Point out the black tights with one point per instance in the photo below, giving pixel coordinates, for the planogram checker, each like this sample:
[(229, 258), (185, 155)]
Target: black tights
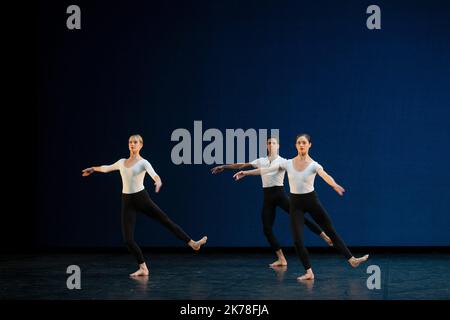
[(276, 197), (141, 202), (309, 202)]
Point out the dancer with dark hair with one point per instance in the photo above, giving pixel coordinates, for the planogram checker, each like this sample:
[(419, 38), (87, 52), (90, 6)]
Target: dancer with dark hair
[(301, 173), (274, 196), (136, 199)]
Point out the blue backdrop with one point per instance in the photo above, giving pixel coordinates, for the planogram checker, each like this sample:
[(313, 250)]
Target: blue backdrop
[(375, 101)]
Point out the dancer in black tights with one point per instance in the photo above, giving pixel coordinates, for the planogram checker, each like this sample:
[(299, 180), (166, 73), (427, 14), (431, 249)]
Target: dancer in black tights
[(301, 173), (136, 199), (274, 196)]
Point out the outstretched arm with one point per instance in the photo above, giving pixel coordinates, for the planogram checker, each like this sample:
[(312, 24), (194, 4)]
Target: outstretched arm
[(256, 172), (105, 169), (329, 179), (233, 166)]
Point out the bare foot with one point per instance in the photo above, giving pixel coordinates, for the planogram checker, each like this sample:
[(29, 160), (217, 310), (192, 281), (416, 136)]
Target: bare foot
[(354, 262), (309, 275), (140, 272), (327, 239), (279, 263), (196, 245)]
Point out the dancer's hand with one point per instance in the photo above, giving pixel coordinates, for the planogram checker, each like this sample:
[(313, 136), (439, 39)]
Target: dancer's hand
[(339, 189), (87, 171), (239, 175), (217, 169), (158, 185)]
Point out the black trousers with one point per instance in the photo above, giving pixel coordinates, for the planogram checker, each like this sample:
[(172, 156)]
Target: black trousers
[(141, 202), (309, 202), (276, 197)]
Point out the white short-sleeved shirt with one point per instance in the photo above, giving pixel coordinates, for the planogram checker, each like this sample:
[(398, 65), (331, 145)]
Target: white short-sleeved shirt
[(132, 177), (270, 179), (301, 181)]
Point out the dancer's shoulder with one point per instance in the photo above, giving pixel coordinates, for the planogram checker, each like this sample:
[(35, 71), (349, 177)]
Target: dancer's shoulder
[(146, 163), (284, 163), (317, 166)]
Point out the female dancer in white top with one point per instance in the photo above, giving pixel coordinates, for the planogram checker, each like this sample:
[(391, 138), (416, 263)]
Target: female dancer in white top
[(136, 199), (301, 173)]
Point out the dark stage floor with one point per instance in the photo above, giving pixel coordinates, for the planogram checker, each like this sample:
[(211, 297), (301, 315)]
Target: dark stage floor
[(225, 276)]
